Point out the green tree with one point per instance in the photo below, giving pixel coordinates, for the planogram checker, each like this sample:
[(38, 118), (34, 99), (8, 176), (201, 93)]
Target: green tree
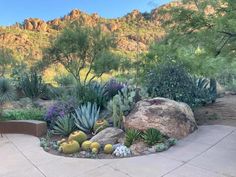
[(82, 49)]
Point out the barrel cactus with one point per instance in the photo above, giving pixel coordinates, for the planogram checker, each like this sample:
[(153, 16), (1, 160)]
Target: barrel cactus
[(100, 125), (78, 136), (86, 145), (108, 149), (69, 147)]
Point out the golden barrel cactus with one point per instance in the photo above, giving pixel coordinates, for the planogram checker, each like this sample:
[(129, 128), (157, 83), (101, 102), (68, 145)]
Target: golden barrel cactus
[(86, 145), (108, 149), (95, 145), (69, 147), (78, 136), (100, 125)]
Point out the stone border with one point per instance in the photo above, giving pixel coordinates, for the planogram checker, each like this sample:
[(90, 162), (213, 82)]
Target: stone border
[(30, 127)]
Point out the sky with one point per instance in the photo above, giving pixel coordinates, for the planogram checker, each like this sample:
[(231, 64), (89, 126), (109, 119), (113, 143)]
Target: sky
[(12, 11)]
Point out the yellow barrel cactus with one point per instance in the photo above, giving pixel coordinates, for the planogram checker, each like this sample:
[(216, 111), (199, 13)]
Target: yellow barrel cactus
[(69, 147), (100, 125), (108, 149), (86, 145), (95, 151), (95, 145), (78, 136)]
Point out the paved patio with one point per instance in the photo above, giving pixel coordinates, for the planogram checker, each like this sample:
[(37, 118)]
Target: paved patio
[(209, 152)]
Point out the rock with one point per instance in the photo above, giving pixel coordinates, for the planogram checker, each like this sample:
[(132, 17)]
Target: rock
[(35, 24), (174, 119), (109, 135), (138, 148)]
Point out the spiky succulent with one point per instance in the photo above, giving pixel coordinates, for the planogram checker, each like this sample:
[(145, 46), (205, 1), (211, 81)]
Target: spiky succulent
[(7, 92), (131, 135), (85, 116), (152, 136), (64, 126)]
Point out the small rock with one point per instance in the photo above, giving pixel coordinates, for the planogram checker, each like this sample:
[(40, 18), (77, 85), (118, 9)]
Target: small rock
[(110, 135), (138, 148)]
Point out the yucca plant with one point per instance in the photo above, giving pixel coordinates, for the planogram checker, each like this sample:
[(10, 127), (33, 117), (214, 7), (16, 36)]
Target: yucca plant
[(85, 116), (64, 126), (152, 136), (7, 92), (131, 135), (32, 85)]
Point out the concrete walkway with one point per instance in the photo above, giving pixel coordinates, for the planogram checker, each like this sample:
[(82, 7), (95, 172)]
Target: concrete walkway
[(209, 152)]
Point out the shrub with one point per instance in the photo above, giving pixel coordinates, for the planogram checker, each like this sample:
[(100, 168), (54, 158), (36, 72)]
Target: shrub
[(64, 125), (32, 85), (152, 136), (171, 80), (57, 110), (85, 116), (65, 80), (7, 91), (24, 114), (131, 135), (112, 88)]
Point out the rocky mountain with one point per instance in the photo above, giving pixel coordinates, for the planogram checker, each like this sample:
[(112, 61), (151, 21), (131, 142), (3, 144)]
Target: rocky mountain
[(134, 31)]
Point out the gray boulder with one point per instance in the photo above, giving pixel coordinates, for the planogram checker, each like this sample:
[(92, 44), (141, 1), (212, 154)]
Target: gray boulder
[(110, 135)]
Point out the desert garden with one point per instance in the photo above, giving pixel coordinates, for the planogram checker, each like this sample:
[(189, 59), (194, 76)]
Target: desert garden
[(104, 103)]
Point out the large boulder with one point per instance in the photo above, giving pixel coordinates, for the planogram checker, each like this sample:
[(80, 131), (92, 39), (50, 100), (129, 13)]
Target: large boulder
[(109, 135), (174, 119)]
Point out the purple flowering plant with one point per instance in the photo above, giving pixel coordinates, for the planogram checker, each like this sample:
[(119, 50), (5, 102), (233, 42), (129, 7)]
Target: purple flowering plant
[(59, 109)]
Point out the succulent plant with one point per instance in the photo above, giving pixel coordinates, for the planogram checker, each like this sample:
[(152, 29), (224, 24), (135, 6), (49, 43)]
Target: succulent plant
[(131, 135), (61, 141), (64, 126), (86, 145), (108, 149), (100, 125), (78, 136), (69, 147), (161, 147), (95, 151), (122, 151), (85, 116), (152, 136), (95, 145)]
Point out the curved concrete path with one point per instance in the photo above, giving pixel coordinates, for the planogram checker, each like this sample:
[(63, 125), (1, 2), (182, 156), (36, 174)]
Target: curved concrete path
[(209, 152)]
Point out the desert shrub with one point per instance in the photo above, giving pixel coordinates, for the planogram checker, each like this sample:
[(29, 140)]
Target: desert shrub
[(57, 110), (171, 80), (24, 114), (152, 136), (85, 116), (65, 80), (7, 91), (32, 85), (64, 126), (112, 88)]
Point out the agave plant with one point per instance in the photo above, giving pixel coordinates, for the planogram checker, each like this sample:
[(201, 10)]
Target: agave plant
[(7, 91), (64, 126), (152, 136), (85, 116)]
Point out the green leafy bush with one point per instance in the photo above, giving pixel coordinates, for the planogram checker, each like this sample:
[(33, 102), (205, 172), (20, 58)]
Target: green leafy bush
[(171, 80), (152, 136), (65, 80), (32, 85), (24, 114), (85, 116), (64, 126), (131, 135)]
